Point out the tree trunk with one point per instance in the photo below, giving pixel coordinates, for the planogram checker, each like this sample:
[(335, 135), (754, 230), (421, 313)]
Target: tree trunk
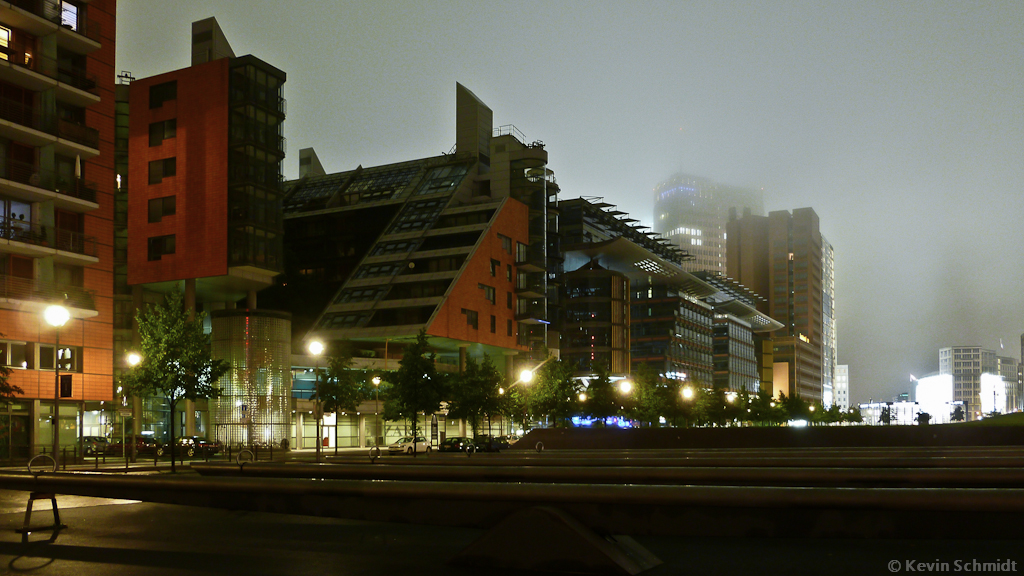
[(171, 432)]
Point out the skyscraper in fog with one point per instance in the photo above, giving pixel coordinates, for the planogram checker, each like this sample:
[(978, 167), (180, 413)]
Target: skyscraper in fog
[(693, 212), (782, 257)]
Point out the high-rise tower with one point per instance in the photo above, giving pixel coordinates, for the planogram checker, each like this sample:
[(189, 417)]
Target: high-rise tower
[(693, 213)]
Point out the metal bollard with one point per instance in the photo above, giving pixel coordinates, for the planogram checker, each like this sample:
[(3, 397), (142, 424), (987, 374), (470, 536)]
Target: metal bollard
[(64, 458)]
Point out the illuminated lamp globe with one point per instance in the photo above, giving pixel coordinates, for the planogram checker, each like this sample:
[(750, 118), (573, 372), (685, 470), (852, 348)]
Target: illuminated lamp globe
[(625, 386), (316, 347), (56, 316), (687, 393), (526, 375), (134, 359)]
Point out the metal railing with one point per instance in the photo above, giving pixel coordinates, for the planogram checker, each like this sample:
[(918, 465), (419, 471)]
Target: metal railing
[(34, 290), (26, 173), (19, 113), (51, 10), (40, 235), (78, 133)]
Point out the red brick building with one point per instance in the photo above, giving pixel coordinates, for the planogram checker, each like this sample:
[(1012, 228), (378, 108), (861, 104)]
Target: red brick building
[(56, 215)]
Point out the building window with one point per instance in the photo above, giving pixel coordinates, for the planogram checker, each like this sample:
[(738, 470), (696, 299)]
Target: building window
[(158, 169), (494, 325), (508, 272), (508, 300), (494, 267), (160, 93), (160, 131), (160, 245), (68, 356), (160, 207), (66, 275), (506, 243), (65, 386), (489, 292), (508, 326), (472, 318)]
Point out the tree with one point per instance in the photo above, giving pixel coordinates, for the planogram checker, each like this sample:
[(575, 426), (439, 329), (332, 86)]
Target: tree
[(650, 397), (601, 400), (958, 414), (886, 415), (340, 389), (474, 393), (557, 391), (8, 391), (418, 387), (176, 363), (923, 418)]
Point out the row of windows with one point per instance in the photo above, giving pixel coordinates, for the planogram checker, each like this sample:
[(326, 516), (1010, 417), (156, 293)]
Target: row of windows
[(473, 320), (30, 355)]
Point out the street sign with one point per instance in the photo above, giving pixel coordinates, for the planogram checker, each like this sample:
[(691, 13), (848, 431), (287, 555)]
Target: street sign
[(125, 412)]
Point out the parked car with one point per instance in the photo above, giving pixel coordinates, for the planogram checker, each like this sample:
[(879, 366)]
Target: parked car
[(488, 443), (455, 444), (192, 445), (94, 445), (406, 445), (143, 445)]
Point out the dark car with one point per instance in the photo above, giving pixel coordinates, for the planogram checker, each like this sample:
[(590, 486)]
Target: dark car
[(455, 444), (143, 445), (192, 445), (488, 443), (94, 445)]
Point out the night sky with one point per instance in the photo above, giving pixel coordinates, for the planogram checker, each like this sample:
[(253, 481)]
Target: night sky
[(900, 123)]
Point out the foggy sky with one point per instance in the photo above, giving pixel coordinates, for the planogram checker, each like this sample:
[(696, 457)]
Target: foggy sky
[(900, 123)]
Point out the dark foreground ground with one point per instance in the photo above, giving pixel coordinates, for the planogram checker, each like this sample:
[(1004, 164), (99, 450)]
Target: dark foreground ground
[(127, 539)]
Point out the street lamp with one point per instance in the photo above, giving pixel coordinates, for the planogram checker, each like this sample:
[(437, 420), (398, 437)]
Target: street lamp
[(625, 386), (376, 410), (133, 359), (56, 316), (687, 393), (526, 376), (316, 348)]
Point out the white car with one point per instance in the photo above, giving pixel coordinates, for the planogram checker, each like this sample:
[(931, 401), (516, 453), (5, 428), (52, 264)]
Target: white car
[(405, 446)]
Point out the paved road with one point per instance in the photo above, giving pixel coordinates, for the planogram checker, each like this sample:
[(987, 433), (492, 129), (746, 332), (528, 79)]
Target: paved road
[(118, 537)]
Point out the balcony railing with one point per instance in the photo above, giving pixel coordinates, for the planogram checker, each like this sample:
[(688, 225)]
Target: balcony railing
[(38, 291), (78, 133), (78, 78), (51, 10), (47, 236), (25, 173), (17, 112)]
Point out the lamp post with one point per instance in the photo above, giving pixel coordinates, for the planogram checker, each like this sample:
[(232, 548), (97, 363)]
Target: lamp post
[(316, 348), (133, 360), (56, 316), (376, 410)]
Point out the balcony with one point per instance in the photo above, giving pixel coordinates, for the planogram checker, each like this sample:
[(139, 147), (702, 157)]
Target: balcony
[(78, 133), (23, 123), (28, 182), (43, 293), (37, 240)]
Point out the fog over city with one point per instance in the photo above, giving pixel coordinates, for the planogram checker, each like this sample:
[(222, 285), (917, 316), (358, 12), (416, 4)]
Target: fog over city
[(900, 123)]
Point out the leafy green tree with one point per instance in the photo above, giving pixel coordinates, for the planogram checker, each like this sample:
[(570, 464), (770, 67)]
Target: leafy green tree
[(176, 362), (601, 400), (8, 391), (958, 414), (853, 416), (418, 387), (923, 419), (515, 405), (885, 417), (649, 398), (342, 389), (474, 393), (557, 392)]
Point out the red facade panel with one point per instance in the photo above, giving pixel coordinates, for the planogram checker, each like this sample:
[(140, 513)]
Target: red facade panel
[(199, 184)]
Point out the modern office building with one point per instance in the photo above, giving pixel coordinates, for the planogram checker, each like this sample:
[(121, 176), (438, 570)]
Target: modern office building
[(1009, 370), (200, 205), (828, 323), (841, 389), (967, 365), (457, 245), (688, 326), (56, 207), (693, 213), (781, 257)]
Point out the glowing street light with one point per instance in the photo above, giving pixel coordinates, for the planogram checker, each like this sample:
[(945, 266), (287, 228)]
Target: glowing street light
[(316, 348), (583, 396), (376, 409), (526, 376), (687, 393), (134, 358), (56, 316), (625, 386)]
